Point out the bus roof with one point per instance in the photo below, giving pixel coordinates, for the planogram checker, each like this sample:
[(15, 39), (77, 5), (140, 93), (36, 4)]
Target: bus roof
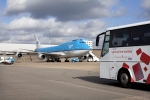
[(128, 25)]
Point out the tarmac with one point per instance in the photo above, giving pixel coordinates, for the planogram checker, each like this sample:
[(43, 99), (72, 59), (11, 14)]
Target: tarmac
[(40, 80)]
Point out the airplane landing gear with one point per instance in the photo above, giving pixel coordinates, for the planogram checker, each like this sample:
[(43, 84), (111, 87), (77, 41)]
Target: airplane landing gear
[(53, 60), (47, 60), (58, 60), (66, 60)]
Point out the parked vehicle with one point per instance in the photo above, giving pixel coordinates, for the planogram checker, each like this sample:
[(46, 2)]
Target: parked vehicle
[(75, 60), (91, 57), (6, 60), (125, 53)]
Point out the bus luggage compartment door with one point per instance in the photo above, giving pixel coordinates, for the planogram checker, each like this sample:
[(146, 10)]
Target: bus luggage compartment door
[(112, 70)]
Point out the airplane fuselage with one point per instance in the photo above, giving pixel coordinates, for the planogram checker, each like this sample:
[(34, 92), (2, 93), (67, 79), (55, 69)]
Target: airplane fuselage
[(76, 48)]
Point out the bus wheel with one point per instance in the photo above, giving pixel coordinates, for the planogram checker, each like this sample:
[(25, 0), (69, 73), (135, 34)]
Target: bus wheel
[(124, 79)]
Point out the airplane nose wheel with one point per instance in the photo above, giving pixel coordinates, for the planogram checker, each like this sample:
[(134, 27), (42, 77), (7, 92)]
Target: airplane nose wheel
[(58, 60)]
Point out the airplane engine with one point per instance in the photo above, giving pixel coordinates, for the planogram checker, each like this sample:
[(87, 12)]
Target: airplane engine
[(18, 55), (41, 56), (85, 57)]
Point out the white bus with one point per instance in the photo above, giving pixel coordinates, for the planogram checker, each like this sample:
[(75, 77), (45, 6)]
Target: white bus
[(125, 54)]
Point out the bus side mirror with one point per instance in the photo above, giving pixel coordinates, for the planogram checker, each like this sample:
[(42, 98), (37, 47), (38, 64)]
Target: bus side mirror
[(98, 37), (97, 40)]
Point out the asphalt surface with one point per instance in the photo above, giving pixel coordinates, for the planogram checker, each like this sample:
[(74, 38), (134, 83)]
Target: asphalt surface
[(63, 81)]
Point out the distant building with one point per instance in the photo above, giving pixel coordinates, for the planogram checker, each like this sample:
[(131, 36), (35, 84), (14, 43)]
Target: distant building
[(90, 43)]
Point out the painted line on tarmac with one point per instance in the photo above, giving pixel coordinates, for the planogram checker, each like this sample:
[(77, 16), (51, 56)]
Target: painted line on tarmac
[(71, 68), (100, 90)]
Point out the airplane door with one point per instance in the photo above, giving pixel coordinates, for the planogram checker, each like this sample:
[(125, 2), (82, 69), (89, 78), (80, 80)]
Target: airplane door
[(67, 49), (71, 49), (112, 70)]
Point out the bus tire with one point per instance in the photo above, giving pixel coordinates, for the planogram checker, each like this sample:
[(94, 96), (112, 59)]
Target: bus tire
[(124, 79)]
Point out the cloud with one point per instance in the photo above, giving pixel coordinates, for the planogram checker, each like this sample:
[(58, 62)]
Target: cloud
[(32, 24), (120, 12), (146, 6), (62, 10), (4, 34), (62, 20), (21, 30)]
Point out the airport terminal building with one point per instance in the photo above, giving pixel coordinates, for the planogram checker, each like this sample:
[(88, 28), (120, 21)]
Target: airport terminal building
[(16, 47), (90, 43)]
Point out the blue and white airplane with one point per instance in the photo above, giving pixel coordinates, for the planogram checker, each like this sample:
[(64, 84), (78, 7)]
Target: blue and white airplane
[(75, 48)]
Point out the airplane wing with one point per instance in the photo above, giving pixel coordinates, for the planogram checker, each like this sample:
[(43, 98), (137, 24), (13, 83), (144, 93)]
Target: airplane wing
[(19, 53), (13, 52), (52, 54)]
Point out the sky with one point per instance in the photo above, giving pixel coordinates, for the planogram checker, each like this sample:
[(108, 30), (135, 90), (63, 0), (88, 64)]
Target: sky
[(65, 20)]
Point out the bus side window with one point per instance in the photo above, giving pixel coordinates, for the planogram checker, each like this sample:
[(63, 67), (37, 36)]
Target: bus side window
[(136, 40), (120, 38), (140, 35), (105, 49), (147, 38)]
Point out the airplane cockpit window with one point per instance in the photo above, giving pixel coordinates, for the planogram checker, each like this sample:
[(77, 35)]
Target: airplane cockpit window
[(82, 42)]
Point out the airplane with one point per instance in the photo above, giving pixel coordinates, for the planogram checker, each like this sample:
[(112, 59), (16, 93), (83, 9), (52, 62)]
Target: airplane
[(75, 48)]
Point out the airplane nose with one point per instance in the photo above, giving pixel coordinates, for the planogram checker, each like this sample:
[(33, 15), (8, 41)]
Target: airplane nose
[(86, 52)]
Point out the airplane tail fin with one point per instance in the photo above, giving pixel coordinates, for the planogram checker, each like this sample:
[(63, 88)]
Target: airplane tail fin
[(38, 44)]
